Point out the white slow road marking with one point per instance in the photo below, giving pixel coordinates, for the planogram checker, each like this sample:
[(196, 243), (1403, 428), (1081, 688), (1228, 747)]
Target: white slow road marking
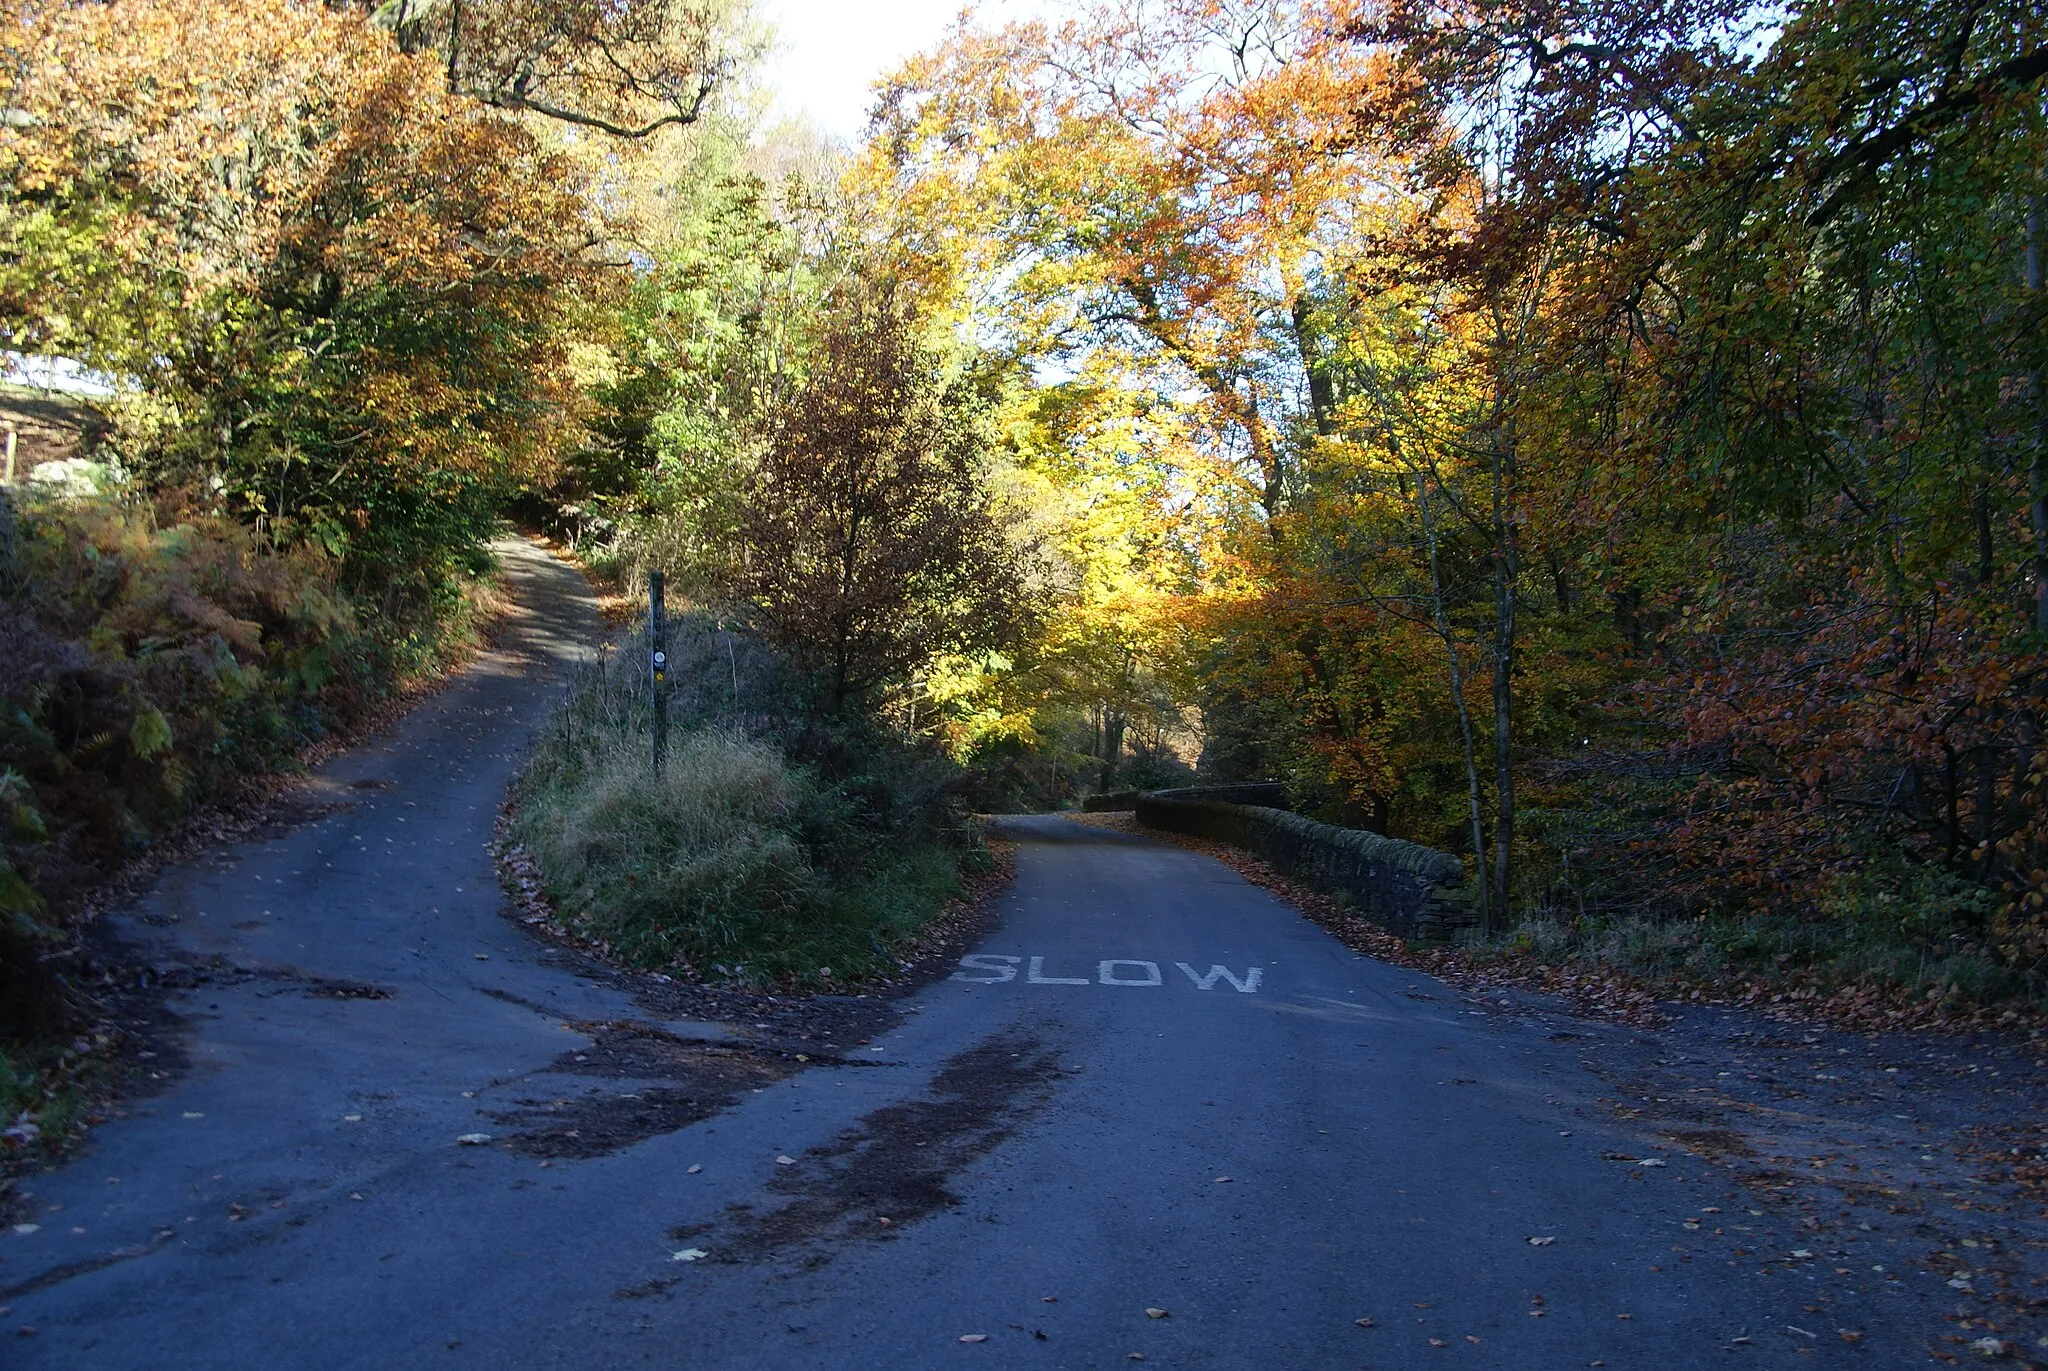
[(1037, 975), (988, 968)]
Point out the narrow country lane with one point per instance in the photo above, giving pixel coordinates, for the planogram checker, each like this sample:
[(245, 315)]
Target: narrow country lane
[(1152, 1088)]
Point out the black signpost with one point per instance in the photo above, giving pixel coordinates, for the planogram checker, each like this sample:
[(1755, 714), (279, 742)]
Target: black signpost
[(657, 664)]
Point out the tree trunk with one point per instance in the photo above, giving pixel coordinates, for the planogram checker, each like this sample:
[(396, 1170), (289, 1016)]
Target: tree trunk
[(1443, 630), (1112, 745), (1322, 395), (454, 44), (2037, 473), (1506, 577)]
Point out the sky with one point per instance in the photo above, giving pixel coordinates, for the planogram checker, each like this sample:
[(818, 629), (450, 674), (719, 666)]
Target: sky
[(830, 51)]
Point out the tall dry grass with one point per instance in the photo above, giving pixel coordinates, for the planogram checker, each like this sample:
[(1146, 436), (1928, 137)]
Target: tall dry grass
[(775, 846)]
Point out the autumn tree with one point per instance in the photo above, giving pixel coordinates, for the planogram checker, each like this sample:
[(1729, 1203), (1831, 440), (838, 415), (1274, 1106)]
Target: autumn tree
[(1095, 698), (341, 298), (868, 542)]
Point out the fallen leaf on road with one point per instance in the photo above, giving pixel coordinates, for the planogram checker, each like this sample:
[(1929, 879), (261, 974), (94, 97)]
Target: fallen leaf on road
[(1134, 1356), (1470, 1338), (785, 1161), (26, 1228), (1155, 1313), (1223, 1180), (1992, 1347), (882, 1219), (1365, 1323), (1541, 1242), (474, 1139), (689, 1254), (695, 1168), (1801, 1252), (351, 1118), (1850, 1334), (974, 1337), (1438, 1342), (194, 1114)]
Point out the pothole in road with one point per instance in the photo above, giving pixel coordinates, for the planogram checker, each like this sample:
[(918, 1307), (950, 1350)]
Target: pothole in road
[(596, 1124), (218, 972), (327, 988), (637, 1050), (896, 1165), (1714, 1144), (703, 1078)]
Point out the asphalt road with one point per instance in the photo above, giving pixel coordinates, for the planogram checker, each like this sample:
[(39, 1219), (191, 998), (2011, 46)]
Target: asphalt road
[(1153, 1087)]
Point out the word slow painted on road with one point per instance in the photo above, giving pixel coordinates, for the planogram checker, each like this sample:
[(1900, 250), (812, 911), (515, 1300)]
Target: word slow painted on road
[(994, 969)]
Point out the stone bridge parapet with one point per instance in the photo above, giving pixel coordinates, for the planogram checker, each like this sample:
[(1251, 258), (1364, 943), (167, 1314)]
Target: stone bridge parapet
[(1406, 888)]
